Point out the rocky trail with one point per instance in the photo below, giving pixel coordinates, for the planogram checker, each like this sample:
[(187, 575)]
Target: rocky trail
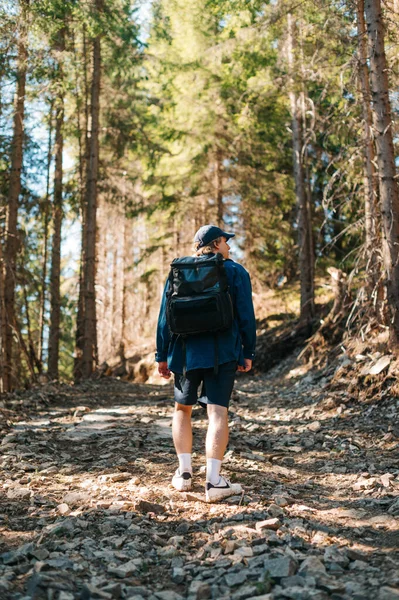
[(87, 510)]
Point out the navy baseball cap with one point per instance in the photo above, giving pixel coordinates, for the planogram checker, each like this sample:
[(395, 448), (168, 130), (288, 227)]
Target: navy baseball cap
[(208, 233)]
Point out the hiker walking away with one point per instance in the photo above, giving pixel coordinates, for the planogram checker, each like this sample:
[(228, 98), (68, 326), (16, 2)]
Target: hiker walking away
[(206, 332)]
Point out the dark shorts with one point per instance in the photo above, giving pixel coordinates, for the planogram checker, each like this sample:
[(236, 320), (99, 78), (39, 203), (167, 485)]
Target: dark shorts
[(216, 388)]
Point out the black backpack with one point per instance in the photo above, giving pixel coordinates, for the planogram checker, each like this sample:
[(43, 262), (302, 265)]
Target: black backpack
[(198, 299)]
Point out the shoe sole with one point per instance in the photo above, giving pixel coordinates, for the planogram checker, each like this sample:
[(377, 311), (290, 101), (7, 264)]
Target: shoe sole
[(183, 488), (212, 499)]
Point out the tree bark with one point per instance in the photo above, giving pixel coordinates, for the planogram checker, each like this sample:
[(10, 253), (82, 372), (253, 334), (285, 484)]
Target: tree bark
[(370, 174), (83, 166), (3, 322), (55, 278), (388, 187), (12, 241), (304, 224), (33, 358), (218, 183), (90, 344), (42, 298)]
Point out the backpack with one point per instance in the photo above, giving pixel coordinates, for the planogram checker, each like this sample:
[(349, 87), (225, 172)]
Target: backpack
[(198, 299)]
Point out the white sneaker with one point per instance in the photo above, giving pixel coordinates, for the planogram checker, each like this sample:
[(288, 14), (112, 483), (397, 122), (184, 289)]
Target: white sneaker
[(223, 489), (182, 481)]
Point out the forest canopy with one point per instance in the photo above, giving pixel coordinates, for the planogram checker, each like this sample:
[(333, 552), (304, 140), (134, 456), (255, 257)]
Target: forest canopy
[(125, 126)]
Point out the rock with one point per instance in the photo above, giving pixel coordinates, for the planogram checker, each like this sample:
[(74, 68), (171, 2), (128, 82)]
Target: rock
[(115, 477), (63, 509), (386, 479), (388, 593), (394, 508), (137, 590), (168, 595), (245, 592), (59, 563), (315, 426), (272, 524), (40, 553), (65, 596), (333, 554), (281, 501), (115, 589), (182, 529), (90, 592), (18, 493), (178, 575), (312, 566), (353, 554), (275, 511), (60, 527), (280, 567), (199, 590), (360, 565), (146, 507), (124, 570), (76, 498), (330, 585), (244, 551), (230, 547), (264, 597), (233, 579)]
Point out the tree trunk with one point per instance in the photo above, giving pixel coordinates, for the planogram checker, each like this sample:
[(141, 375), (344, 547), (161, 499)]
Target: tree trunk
[(370, 174), (218, 182), (42, 298), (304, 224), (3, 321), (89, 344), (83, 166), (125, 274), (33, 358), (55, 278), (388, 187), (12, 241)]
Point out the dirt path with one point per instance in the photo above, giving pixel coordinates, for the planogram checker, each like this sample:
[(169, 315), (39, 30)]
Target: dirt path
[(87, 510)]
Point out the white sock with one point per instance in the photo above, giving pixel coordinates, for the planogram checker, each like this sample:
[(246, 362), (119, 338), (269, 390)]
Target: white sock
[(213, 466), (185, 462)]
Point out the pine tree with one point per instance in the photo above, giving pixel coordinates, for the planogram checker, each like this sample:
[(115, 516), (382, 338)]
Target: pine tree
[(55, 277), (388, 186), (10, 377)]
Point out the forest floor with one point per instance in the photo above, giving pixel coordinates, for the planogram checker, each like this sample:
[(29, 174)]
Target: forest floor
[(87, 510)]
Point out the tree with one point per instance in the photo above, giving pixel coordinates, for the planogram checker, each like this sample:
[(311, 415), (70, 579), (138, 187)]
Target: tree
[(305, 241), (55, 277), (89, 270), (370, 173), (388, 186), (10, 378)]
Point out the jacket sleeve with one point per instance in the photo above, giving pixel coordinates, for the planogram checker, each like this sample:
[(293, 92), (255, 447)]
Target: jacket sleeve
[(163, 333), (245, 313)]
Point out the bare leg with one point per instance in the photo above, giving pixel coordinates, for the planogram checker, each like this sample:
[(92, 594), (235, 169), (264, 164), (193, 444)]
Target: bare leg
[(217, 435), (181, 429)]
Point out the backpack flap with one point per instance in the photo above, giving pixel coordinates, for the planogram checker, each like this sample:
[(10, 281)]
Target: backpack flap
[(199, 300)]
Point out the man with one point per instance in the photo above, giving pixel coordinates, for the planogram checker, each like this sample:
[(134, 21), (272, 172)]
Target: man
[(234, 349)]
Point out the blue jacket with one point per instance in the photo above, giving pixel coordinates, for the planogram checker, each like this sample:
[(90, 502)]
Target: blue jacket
[(236, 343)]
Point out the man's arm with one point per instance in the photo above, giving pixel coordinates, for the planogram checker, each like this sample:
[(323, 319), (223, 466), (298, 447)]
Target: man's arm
[(163, 337), (245, 316)]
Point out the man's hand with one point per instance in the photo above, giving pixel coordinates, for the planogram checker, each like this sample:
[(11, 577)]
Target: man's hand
[(247, 367), (163, 370)]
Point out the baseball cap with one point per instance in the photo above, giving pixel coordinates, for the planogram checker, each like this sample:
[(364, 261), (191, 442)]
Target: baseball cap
[(206, 234)]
